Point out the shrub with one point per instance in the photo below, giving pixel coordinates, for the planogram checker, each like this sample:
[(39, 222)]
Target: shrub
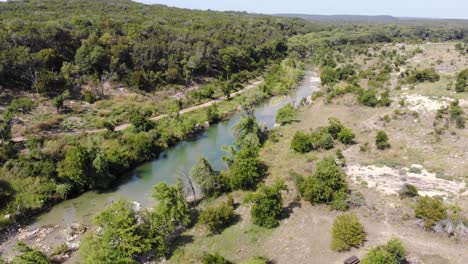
[(334, 127), (301, 142), (214, 259), (212, 113), (408, 190), (285, 115), (431, 210), (381, 140), (267, 207), (210, 181), (424, 75), (347, 232), (321, 187), (217, 218), (346, 136), (29, 255), (368, 98), (326, 141), (462, 81), (391, 253), (328, 76)]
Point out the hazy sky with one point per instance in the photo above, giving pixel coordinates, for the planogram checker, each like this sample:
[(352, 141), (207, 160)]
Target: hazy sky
[(413, 8)]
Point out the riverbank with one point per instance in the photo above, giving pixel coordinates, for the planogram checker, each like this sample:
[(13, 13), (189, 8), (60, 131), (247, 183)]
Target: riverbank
[(80, 209)]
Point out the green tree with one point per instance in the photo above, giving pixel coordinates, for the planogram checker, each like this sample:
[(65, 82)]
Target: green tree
[(247, 131), (267, 204), (285, 115), (381, 140), (211, 182), (120, 239), (347, 232), (75, 167), (172, 204), (326, 181), (246, 169), (301, 142)]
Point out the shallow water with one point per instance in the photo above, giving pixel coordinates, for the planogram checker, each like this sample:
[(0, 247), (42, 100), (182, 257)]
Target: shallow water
[(167, 168)]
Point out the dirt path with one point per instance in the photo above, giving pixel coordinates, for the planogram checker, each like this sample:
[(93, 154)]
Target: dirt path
[(127, 125)]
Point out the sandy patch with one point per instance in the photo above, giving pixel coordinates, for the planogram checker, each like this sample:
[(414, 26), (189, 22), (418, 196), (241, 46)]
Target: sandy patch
[(389, 180), (420, 103)]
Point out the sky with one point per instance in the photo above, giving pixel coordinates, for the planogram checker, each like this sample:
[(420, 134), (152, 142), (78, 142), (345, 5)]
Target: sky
[(400, 8)]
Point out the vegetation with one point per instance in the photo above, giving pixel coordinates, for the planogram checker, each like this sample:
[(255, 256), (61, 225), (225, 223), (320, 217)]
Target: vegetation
[(391, 253), (381, 140), (217, 218), (326, 185), (29, 255), (408, 190), (285, 115), (462, 81), (267, 205), (323, 137), (301, 142), (214, 259), (211, 182), (347, 232), (136, 231), (431, 210)]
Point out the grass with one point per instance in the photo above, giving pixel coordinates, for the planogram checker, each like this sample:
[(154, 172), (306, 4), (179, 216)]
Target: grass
[(239, 242), (277, 100)]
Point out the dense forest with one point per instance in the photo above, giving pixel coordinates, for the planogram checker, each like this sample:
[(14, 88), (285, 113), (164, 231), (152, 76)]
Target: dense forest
[(51, 47)]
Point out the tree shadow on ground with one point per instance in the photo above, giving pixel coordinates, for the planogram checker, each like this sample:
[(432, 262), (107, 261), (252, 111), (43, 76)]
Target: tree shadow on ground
[(288, 210)]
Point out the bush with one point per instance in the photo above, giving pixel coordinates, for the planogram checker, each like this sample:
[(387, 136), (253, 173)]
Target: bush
[(301, 142), (326, 141), (346, 136), (285, 115), (334, 127), (214, 259), (212, 113), (408, 190), (347, 232), (424, 75), (217, 218), (381, 140), (328, 76), (431, 210), (368, 98), (322, 186), (391, 253), (267, 207), (462, 81), (29, 255)]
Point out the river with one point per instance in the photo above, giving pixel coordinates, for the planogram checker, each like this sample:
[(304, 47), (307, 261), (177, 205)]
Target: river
[(174, 160)]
